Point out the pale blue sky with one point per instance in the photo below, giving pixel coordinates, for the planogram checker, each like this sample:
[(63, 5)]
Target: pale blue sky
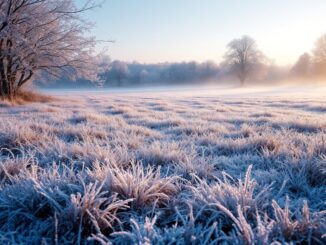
[(183, 30)]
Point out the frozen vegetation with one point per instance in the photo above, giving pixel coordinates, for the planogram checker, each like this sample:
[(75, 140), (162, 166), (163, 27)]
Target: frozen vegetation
[(164, 168)]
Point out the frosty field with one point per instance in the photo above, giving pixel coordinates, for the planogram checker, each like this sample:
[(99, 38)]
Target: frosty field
[(196, 167)]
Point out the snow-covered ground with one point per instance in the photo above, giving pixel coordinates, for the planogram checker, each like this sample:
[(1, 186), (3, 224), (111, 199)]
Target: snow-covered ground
[(188, 165)]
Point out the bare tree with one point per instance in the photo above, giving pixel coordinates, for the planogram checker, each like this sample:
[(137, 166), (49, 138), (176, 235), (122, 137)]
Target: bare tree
[(118, 72), (302, 68), (242, 57), (43, 37)]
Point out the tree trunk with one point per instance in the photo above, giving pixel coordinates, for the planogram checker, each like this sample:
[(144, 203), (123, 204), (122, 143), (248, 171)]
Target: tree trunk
[(4, 86), (5, 89)]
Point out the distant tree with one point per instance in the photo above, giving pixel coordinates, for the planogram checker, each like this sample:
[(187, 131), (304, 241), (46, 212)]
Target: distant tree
[(43, 37), (302, 67), (319, 56), (242, 57), (118, 72)]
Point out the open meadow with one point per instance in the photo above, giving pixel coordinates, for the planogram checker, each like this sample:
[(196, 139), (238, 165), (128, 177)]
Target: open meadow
[(193, 167)]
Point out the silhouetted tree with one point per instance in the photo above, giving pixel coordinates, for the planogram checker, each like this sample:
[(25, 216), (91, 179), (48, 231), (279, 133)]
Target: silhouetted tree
[(242, 57), (43, 37)]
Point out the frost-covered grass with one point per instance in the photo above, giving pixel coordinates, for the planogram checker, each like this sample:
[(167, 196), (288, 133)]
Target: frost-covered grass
[(164, 169)]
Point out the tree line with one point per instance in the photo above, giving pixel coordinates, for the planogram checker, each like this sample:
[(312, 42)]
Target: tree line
[(243, 60)]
